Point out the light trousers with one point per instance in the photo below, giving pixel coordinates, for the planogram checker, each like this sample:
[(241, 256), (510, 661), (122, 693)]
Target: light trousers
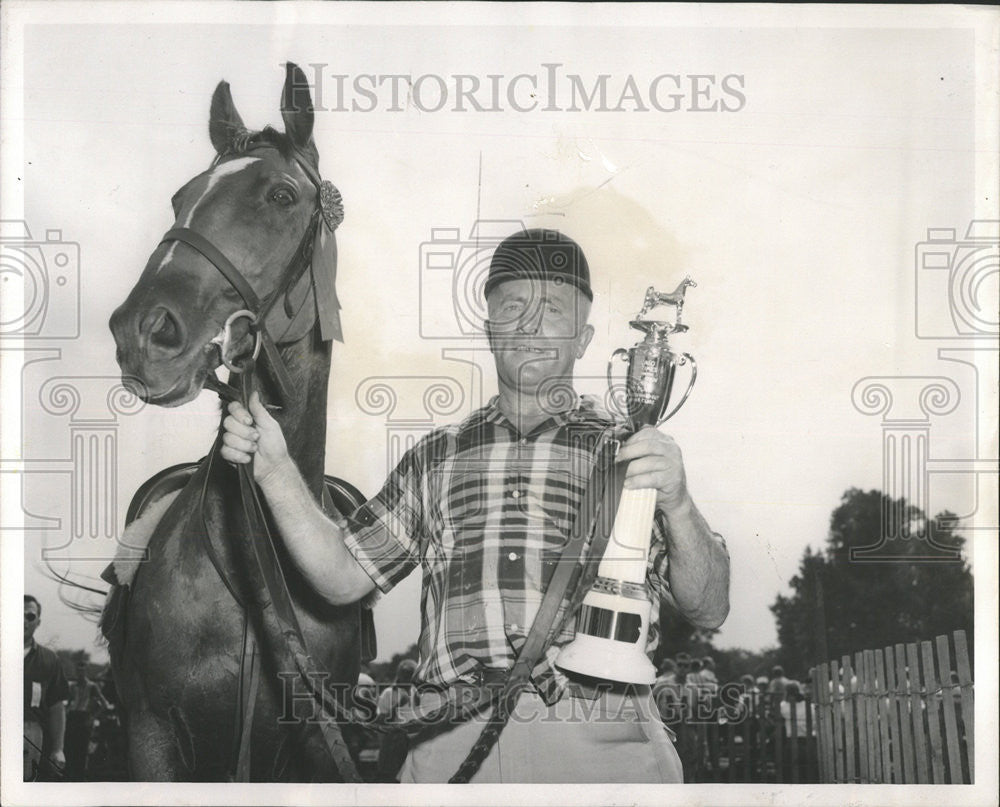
[(613, 738)]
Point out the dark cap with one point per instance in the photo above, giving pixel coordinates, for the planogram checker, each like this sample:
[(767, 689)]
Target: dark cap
[(540, 254)]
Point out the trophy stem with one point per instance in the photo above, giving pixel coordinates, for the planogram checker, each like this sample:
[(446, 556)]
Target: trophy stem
[(628, 548), (613, 625)]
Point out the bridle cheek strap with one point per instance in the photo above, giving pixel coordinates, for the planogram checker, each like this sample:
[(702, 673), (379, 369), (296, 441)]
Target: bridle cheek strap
[(214, 255)]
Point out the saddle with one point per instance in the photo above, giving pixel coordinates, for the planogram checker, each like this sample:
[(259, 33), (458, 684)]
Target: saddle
[(337, 493)]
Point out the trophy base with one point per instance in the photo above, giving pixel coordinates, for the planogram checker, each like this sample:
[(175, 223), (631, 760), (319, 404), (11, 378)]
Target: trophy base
[(608, 659)]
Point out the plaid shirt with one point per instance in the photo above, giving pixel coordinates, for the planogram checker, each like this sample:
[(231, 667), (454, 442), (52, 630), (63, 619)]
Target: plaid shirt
[(486, 512)]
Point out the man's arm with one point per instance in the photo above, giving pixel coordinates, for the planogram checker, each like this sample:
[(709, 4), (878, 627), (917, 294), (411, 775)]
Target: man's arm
[(57, 732), (315, 543), (698, 561), (100, 695)]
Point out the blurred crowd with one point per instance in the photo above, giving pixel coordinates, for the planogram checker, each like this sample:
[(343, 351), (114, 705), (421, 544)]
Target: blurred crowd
[(71, 728), (690, 697)]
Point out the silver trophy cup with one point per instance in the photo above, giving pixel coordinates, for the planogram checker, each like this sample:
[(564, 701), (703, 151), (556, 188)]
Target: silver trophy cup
[(613, 623)]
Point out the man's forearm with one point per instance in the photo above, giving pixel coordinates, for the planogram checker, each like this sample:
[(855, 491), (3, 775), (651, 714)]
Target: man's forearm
[(699, 567), (315, 543), (57, 727)]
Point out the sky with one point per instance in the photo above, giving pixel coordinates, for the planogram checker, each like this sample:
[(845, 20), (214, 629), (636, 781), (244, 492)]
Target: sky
[(791, 167)]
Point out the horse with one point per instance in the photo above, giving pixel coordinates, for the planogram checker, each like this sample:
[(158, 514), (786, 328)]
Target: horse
[(674, 298), (200, 661)]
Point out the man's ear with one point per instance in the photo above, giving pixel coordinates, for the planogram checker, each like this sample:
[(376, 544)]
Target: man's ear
[(583, 341)]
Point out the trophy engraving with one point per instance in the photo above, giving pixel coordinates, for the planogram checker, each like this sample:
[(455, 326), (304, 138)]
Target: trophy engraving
[(613, 621)]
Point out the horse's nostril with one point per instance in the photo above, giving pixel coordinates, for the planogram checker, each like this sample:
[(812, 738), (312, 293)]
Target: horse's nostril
[(166, 332), (163, 330)]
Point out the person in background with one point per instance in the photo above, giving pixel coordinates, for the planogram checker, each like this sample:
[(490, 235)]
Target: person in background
[(85, 701), (749, 696), (683, 667), (776, 692), (364, 690), (667, 692), (45, 695), (710, 684), (794, 702), (778, 682)]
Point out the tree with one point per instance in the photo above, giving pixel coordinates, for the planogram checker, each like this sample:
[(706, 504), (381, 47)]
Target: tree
[(868, 604), (678, 635)]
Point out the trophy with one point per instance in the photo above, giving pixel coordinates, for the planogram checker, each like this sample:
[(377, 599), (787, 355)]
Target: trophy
[(613, 622)]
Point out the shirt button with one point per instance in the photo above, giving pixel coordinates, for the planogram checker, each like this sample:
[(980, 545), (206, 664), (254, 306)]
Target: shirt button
[(513, 626), (512, 556), (515, 494), (523, 441)]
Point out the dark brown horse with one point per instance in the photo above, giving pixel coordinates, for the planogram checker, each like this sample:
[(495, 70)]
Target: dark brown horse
[(183, 632)]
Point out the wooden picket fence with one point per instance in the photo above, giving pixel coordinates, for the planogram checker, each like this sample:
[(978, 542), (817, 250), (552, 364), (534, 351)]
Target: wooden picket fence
[(754, 743), (897, 715)]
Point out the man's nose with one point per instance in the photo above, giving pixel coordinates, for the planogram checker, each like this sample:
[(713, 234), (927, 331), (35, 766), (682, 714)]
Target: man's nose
[(530, 320)]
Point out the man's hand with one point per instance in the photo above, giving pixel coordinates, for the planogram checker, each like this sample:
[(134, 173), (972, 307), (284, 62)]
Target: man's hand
[(699, 562), (254, 434), (655, 462), (57, 760)]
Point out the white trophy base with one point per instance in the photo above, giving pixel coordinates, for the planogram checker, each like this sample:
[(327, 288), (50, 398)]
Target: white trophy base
[(608, 659)]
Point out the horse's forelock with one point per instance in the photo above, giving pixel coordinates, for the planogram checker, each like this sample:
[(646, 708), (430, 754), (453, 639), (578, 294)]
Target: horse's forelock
[(245, 140)]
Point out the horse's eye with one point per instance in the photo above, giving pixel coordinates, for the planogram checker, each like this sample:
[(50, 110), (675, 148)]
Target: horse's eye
[(283, 197)]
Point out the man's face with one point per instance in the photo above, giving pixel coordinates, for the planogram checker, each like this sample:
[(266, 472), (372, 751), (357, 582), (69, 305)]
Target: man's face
[(537, 330), (81, 670), (31, 619)]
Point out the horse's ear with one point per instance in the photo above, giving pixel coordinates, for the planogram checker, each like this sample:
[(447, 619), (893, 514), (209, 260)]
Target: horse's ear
[(297, 106), (223, 119)]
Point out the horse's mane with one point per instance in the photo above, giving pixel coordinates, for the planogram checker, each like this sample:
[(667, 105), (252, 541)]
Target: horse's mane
[(242, 141)]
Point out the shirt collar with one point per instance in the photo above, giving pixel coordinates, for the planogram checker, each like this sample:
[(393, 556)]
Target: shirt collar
[(586, 408)]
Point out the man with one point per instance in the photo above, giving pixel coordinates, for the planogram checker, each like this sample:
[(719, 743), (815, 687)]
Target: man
[(45, 694), (85, 701), (667, 692), (484, 507), (778, 683)]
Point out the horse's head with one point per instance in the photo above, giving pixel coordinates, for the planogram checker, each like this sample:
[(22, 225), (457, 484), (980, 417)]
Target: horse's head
[(257, 205)]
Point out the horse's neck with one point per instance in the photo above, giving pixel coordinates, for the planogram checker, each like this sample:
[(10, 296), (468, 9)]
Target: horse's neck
[(303, 419)]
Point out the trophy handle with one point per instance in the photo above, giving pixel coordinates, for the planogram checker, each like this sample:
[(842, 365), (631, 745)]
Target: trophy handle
[(623, 353), (680, 403)]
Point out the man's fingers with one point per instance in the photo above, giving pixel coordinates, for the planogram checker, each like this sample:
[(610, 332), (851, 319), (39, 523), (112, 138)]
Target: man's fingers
[(649, 472), (239, 411), (237, 443), (258, 410), (232, 455), (234, 425), (654, 480), (651, 463), (644, 442)]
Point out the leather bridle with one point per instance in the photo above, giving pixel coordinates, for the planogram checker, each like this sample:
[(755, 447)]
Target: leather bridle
[(257, 310)]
